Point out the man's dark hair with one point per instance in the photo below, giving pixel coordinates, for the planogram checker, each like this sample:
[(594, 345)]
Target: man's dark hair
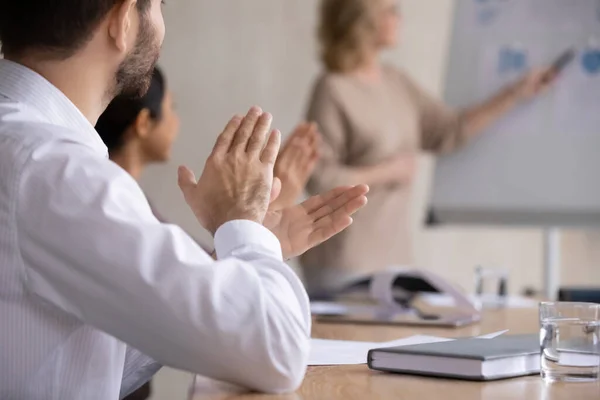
[(56, 27), (124, 110)]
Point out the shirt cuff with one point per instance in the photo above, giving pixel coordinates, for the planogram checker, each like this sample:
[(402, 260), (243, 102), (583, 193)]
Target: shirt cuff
[(240, 236)]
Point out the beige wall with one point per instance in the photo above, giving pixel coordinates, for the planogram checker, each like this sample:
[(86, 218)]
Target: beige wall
[(221, 57)]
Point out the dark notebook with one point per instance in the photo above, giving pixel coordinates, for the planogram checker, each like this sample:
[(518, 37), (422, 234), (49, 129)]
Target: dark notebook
[(471, 359)]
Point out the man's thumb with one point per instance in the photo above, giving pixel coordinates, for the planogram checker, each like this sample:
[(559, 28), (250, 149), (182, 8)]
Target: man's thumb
[(186, 179), (275, 190)]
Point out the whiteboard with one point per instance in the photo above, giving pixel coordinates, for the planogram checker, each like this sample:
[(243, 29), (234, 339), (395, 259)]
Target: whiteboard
[(539, 166)]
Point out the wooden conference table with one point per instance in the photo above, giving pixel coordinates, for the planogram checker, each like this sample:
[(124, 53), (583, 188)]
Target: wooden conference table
[(358, 382)]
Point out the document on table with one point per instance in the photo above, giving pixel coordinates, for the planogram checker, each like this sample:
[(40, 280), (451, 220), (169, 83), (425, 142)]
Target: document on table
[(340, 352)]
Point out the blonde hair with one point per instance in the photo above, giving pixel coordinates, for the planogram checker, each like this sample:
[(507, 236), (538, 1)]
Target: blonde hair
[(346, 31)]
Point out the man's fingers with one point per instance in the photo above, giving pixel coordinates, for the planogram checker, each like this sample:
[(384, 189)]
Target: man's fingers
[(326, 232), (226, 137), (245, 130), (186, 179), (316, 202), (259, 136), (271, 150), (334, 223), (341, 202)]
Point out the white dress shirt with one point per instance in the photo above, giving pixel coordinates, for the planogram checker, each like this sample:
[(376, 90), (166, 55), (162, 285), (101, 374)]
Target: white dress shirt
[(86, 270)]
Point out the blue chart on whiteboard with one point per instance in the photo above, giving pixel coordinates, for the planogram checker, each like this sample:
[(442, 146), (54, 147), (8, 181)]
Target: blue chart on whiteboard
[(514, 36)]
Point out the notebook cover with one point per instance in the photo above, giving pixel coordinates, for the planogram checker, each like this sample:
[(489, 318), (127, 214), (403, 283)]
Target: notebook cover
[(471, 348), (475, 349)]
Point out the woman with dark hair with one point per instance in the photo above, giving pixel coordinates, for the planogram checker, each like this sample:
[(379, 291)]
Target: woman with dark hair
[(139, 132)]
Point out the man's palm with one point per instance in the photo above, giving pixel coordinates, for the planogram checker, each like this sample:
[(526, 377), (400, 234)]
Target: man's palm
[(302, 227)]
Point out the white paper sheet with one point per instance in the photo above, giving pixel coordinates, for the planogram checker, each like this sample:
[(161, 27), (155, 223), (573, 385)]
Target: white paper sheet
[(493, 335), (340, 352)]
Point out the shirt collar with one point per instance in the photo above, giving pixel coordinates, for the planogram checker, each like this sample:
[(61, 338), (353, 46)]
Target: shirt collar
[(26, 86)]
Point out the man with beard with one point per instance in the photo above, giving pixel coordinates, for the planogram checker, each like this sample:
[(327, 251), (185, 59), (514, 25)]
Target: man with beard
[(92, 287)]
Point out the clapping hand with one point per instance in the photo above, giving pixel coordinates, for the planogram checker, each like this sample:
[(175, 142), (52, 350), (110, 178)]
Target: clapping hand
[(238, 183), (302, 227), (295, 164), (238, 176)]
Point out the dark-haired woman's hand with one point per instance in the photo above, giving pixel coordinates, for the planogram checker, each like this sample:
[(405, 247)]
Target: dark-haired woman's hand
[(296, 163)]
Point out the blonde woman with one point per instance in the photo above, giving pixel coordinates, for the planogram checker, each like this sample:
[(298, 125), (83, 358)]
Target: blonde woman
[(374, 120)]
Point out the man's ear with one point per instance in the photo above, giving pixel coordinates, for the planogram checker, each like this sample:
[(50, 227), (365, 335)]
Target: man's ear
[(143, 124), (123, 24)]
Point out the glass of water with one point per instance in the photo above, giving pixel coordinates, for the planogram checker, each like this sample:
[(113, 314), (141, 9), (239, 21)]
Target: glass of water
[(570, 341)]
